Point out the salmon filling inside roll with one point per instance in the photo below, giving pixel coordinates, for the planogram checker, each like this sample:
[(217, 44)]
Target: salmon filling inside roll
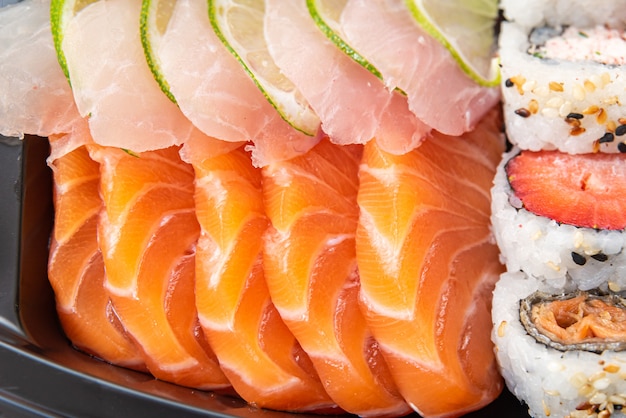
[(581, 321)]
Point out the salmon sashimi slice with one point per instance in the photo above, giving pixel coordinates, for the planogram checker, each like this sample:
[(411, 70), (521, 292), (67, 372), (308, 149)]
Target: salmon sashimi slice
[(428, 266), (148, 231), (36, 98), (256, 350), (582, 190), (76, 268), (350, 101), (112, 83), (385, 34), (205, 75), (311, 271)]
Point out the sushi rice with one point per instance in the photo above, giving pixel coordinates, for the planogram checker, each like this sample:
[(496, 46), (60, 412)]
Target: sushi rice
[(535, 13), (572, 105), (553, 383), (563, 257)]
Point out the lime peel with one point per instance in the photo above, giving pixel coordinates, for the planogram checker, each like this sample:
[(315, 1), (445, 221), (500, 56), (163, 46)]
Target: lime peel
[(303, 120), (148, 29), (60, 10), (485, 11), (332, 35)]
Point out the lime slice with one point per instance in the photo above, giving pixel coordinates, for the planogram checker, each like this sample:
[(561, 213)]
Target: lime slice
[(326, 14), (466, 29), (61, 11), (155, 15), (239, 25)]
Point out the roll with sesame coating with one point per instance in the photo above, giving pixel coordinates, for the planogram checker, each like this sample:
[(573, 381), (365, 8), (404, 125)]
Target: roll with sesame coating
[(536, 13), (561, 218), (553, 350), (564, 87)]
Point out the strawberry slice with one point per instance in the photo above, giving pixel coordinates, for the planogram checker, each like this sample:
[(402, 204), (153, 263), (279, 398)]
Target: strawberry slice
[(584, 190)]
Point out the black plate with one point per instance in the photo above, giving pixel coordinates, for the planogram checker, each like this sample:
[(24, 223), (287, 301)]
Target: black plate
[(40, 373)]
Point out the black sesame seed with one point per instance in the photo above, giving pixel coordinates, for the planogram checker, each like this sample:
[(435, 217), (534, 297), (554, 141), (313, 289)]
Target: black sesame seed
[(620, 130), (607, 137), (522, 112), (600, 257), (617, 407), (578, 259), (574, 116), (621, 147), (508, 82)]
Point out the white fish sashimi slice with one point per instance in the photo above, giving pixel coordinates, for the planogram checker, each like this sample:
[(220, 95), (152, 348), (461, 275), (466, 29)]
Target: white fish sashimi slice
[(350, 101), (112, 83), (331, 82), (438, 91), (78, 135), (35, 96), (400, 131), (214, 92)]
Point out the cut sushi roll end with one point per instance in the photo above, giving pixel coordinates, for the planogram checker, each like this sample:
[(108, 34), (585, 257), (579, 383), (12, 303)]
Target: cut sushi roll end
[(563, 90), (554, 382)]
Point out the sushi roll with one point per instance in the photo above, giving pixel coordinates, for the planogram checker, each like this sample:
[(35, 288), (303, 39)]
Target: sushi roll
[(563, 85), (562, 355), (581, 13), (558, 217)]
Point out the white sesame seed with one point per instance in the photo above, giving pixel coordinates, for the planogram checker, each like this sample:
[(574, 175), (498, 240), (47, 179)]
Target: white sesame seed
[(578, 92), (555, 102), (598, 398), (553, 266), (565, 109), (578, 380), (542, 91), (596, 376), (615, 287), (596, 80), (586, 390), (617, 400), (611, 100), (529, 85), (602, 384), (579, 239), (502, 329), (606, 78), (550, 112)]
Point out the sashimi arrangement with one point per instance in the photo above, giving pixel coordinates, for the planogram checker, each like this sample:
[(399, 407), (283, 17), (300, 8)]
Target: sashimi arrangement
[(557, 210), (308, 204)]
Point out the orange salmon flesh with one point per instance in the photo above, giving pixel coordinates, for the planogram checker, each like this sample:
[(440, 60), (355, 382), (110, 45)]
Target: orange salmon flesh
[(343, 280)]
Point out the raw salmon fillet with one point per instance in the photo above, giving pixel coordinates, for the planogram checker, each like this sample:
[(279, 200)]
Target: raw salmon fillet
[(76, 268), (428, 265), (311, 271), (259, 355), (147, 234)]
